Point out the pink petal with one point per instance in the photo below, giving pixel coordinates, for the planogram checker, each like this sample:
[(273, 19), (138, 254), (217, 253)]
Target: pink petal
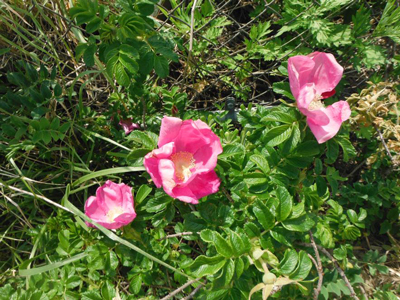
[(190, 137), (151, 161), (202, 185), (93, 210), (125, 218), (206, 157), (166, 168), (327, 72), (299, 70), (169, 130), (306, 96), (337, 113)]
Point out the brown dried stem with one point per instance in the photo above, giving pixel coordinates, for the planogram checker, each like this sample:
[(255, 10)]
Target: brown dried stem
[(180, 289), (318, 266), (337, 266)]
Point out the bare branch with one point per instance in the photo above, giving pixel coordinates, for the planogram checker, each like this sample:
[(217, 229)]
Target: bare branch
[(191, 295), (177, 235), (178, 290), (338, 268), (318, 265)]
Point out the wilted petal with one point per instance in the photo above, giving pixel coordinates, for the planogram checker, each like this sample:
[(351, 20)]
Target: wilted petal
[(128, 125), (267, 291), (256, 289)]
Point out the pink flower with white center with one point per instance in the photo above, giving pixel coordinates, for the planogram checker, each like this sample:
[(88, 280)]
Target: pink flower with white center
[(128, 126), (185, 159), (313, 78), (112, 207)]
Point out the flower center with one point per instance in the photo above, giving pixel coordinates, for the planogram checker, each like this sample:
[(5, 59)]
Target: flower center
[(183, 162), (316, 104), (114, 213)]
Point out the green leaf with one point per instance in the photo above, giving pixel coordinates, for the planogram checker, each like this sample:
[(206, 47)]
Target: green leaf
[(351, 232), (255, 178), (280, 116), (130, 64), (204, 265), (264, 216), (120, 75), (348, 148), (283, 88), (251, 230), (231, 150), (142, 193), (280, 236), (136, 284), (289, 261), (91, 295), (108, 291), (239, 267), (324, 234), (88, 55), (206, 8), (303, 268), (146, 62), (226, 275), (301, 224), (307, 149), (277, 135), (321, 186), (285, 203), (145, 8), (158, 204), (261, 162), (352, 216), (332, 151), (161, 66), (318, 166), (93, 25), (222, 246), (239, 245)]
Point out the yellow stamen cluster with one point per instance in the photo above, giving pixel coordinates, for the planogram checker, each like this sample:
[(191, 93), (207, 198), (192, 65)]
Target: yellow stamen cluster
[(114, 213), (183, 162), (315, 104)]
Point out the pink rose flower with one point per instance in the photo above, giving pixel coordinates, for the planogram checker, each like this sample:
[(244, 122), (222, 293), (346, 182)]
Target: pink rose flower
[(112, 207), (313, 78), (185, 159), (128, 126)]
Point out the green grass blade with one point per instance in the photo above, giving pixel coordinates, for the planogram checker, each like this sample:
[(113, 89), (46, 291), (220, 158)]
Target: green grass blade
[(107, 172), (49, 267)]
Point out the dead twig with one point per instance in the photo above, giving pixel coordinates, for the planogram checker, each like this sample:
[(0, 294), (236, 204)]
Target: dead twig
[(318, 265), (178, 290), (191, 295), (384, 143), (338, 268), (177, 235)]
